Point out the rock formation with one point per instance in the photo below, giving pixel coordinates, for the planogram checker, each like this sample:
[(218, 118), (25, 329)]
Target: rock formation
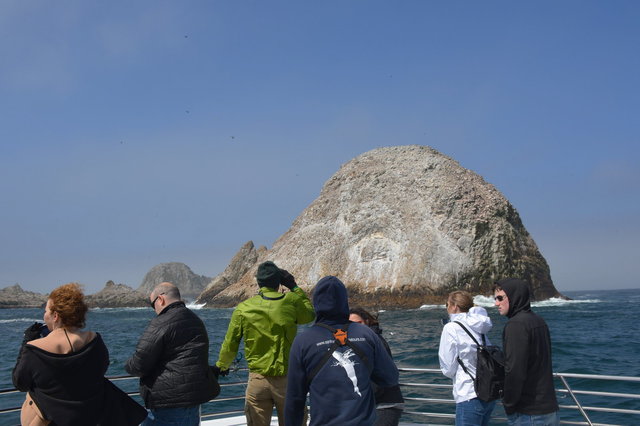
[(246, 257), (179, 274), (401, 226), (16, 297), (117, 296)]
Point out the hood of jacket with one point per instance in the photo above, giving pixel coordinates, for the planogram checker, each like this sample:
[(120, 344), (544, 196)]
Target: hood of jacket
[(476, 319), (75, 361), (518, 293), (330, 301)]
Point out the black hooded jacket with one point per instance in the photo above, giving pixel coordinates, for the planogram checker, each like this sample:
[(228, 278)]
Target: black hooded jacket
[(171, 360), (70, 389), (392, 395), (528, 386)]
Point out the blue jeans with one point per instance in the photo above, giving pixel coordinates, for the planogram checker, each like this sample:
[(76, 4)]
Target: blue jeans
[(519, 419), (179, 416), (474, 412)]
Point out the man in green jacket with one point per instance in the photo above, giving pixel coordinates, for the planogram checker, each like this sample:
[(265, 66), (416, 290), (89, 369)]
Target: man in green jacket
[(268, 322)]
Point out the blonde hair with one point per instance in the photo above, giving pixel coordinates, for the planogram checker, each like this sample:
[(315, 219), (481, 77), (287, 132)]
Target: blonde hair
[(461, 299)]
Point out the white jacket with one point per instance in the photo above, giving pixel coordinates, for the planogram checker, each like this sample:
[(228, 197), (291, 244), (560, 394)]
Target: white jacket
[(455, 342)]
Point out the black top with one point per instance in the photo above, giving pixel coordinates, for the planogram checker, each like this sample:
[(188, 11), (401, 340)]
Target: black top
[(172, 360), (528, 385), (69, 389), (390, 395)]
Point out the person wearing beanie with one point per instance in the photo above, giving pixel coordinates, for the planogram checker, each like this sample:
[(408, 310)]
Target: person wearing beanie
[(529, 395), (268, 323)]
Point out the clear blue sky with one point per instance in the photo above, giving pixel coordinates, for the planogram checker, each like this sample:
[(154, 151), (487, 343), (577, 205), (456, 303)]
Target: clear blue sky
[(135, 133)]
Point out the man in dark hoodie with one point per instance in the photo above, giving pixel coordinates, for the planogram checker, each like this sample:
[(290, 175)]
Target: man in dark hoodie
[(529, 395), (340, 388)]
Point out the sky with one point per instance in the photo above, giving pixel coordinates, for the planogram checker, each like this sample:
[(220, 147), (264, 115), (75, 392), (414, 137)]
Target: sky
[(136, 133)]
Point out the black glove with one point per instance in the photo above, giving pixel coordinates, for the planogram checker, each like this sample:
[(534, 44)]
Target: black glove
[(287, 280), (35, 331), (217, 372)]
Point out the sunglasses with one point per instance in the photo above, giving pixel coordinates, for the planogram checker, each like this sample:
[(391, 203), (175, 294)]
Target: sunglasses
[(499, 298), (153, 303)]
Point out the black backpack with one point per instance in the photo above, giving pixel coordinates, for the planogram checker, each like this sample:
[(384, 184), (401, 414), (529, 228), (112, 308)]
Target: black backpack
[(489, 380)]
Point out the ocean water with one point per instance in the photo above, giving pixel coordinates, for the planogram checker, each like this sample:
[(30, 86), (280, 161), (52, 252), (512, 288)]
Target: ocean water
[(595, 333)]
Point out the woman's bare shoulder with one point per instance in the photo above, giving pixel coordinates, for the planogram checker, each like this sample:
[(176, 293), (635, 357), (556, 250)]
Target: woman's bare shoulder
[(57, 343)]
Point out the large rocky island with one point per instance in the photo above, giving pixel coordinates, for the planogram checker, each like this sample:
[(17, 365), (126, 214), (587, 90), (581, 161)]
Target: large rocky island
[(401, 226)]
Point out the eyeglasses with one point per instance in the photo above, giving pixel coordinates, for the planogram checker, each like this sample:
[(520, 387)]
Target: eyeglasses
[(153, 303), (499, 298)]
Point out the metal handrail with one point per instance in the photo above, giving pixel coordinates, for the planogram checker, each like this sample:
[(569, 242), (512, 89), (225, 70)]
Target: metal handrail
[(566, 389), (573, 393), (573, 396), (598, 377)]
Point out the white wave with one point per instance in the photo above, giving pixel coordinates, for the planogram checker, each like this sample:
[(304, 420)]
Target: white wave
[(488, 302), (440, 306), (8, 321), (556, 301), (484, 301), (194, 305), (130, 308)]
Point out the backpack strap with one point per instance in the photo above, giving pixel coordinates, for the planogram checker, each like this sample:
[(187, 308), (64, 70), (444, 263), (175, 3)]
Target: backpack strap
[(471, 335), (465, 368), (323, 361), (341, 339), (474, 341)]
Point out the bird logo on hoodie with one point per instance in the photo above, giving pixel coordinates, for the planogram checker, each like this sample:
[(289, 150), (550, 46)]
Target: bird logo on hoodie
[(345, 361)]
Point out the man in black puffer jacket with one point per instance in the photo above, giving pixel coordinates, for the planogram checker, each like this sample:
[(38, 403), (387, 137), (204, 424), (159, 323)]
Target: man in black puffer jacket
[(172, 361)]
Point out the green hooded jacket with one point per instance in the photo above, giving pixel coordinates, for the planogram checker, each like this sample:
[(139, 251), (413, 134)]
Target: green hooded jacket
[(268, 322)]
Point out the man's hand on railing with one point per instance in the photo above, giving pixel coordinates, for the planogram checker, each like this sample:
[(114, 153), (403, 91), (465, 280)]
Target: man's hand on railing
[(217, 372)]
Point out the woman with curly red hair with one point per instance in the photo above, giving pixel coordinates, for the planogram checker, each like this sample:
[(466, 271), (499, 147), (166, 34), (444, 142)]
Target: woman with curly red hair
[(63, 372)]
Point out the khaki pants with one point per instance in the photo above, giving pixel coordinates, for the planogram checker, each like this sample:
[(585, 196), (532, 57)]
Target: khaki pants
[(263, 392)]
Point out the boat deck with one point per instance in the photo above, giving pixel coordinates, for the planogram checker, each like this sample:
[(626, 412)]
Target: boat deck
[(233, 421), (242, 421)]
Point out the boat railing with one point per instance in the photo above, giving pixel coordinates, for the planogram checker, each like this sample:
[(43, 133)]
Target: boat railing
[(588, 400), (14, 406), (223, 397), (584, 405)]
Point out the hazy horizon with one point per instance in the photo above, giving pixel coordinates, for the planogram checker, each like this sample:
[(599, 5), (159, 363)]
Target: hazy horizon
[(140, 133)]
